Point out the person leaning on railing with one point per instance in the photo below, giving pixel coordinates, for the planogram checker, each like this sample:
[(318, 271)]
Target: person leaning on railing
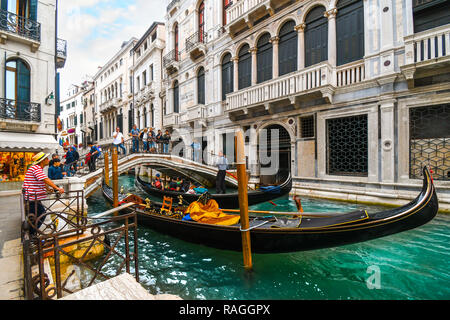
[(35, 187)]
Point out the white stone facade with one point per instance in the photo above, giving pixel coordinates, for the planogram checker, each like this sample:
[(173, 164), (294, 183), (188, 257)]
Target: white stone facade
[(72, 115), (113, 97), (379, 86), (147, 77)]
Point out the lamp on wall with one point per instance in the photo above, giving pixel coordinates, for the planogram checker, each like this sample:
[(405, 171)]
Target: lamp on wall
[(50, 99)]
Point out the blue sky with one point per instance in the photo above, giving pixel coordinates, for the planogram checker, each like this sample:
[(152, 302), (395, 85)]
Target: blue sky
[(95, 30)]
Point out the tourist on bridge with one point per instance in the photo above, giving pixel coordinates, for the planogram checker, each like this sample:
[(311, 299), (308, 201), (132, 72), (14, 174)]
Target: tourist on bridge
[(158, 139), (166, 139), (135, 138), (94, 154), (144, 137), (119, 141), (222, 165), (151, 140), (55, 171), (35, 188)]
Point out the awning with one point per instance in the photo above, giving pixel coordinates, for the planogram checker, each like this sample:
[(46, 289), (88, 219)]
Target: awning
[(31, 141)]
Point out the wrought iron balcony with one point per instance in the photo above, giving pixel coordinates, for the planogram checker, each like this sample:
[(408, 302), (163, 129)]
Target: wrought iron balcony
[(21, 26), (195, 44), (170, 60), (19, 110), (61, 53)]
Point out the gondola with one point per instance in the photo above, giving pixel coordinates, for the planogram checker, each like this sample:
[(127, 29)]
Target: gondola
[(286, 234), (225, 201)]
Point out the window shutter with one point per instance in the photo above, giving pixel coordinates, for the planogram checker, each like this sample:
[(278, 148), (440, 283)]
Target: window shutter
[(316, 37), (264, 58), (33, 9), (201, 86), (350, 32), (5, 5), (227, 76), (287, 49), (245, 68)]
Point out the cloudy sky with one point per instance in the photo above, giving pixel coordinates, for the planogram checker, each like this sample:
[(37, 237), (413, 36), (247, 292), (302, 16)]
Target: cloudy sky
[(95, 30)]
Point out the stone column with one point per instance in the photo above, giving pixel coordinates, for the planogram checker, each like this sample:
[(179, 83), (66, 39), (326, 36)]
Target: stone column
[(301, 46), (235, 73), (387, 141), (332, 49), (253, 52), (275, 70)]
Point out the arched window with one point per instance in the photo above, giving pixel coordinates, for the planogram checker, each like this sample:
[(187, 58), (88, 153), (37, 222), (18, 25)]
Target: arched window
[(316, 37), (152, 113), (176, 42), (201, 22), (350, 31), (244, 68), (201, 86), (176, 98), (287, 49), (17, 88), (264, 58), (227, 76)]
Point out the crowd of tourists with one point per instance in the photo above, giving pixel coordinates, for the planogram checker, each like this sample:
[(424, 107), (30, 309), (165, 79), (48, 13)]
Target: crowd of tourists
[(148, 139)]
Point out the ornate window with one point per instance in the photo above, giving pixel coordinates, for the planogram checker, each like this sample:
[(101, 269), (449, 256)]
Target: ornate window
[(264, 58), (201, 22), (227, 76), (316, 37), (347, 146), (429, 143), (287, 49), (244, 68), (201, 86), (176, 42), (350, 31), (176, 98)]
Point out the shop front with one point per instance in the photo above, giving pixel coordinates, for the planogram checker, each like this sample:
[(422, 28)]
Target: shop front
[(16, 153)]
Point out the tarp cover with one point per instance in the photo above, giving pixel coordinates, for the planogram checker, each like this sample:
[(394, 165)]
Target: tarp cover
[(210, 214)]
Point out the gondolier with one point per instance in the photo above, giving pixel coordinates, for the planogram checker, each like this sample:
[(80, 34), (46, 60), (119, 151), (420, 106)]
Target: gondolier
[(222, 165), (35, 188)]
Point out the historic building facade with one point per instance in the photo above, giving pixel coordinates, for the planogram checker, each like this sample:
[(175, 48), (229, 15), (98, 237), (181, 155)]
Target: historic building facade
[(31, 53), (147, 76), (113, 94), (72, 117), (356, 90)]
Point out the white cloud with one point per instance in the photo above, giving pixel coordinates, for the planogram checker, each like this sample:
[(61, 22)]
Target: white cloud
[(95, 30)]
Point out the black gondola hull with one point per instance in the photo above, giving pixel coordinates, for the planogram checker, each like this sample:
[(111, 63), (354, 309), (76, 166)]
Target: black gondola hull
[(276, 240), (225, 201)]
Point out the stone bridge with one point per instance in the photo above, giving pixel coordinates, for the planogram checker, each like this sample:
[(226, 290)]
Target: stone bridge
[(166, 164)]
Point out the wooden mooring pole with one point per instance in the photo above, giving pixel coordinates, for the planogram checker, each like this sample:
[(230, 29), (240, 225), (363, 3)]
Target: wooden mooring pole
[(243, 200), (106, 170), (115, 177)]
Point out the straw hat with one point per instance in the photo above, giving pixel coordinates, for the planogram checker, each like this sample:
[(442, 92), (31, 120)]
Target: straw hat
[(39, 157)]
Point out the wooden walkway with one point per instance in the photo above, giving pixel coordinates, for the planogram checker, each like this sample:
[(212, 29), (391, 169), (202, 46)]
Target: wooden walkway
[(123, 287)]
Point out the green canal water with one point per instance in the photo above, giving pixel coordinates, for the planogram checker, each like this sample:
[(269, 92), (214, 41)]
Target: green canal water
[(410, 265)]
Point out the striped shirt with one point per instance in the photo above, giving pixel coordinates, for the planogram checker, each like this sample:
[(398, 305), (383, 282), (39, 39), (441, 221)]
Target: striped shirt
[(34, 184)]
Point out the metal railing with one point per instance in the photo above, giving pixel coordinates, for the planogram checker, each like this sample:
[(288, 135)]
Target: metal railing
[(20, 110), (65, 227), (195, 39), (171, 57), (19, 25)]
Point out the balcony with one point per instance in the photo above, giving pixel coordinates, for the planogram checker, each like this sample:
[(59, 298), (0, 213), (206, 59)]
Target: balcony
[(244, 13), (196, 45), (12, 111), (61, 53), (313, 82), (196, 114), (171, 61), (170, 120), (109, 105), (427, 53), (19, 29), (145, 93)]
